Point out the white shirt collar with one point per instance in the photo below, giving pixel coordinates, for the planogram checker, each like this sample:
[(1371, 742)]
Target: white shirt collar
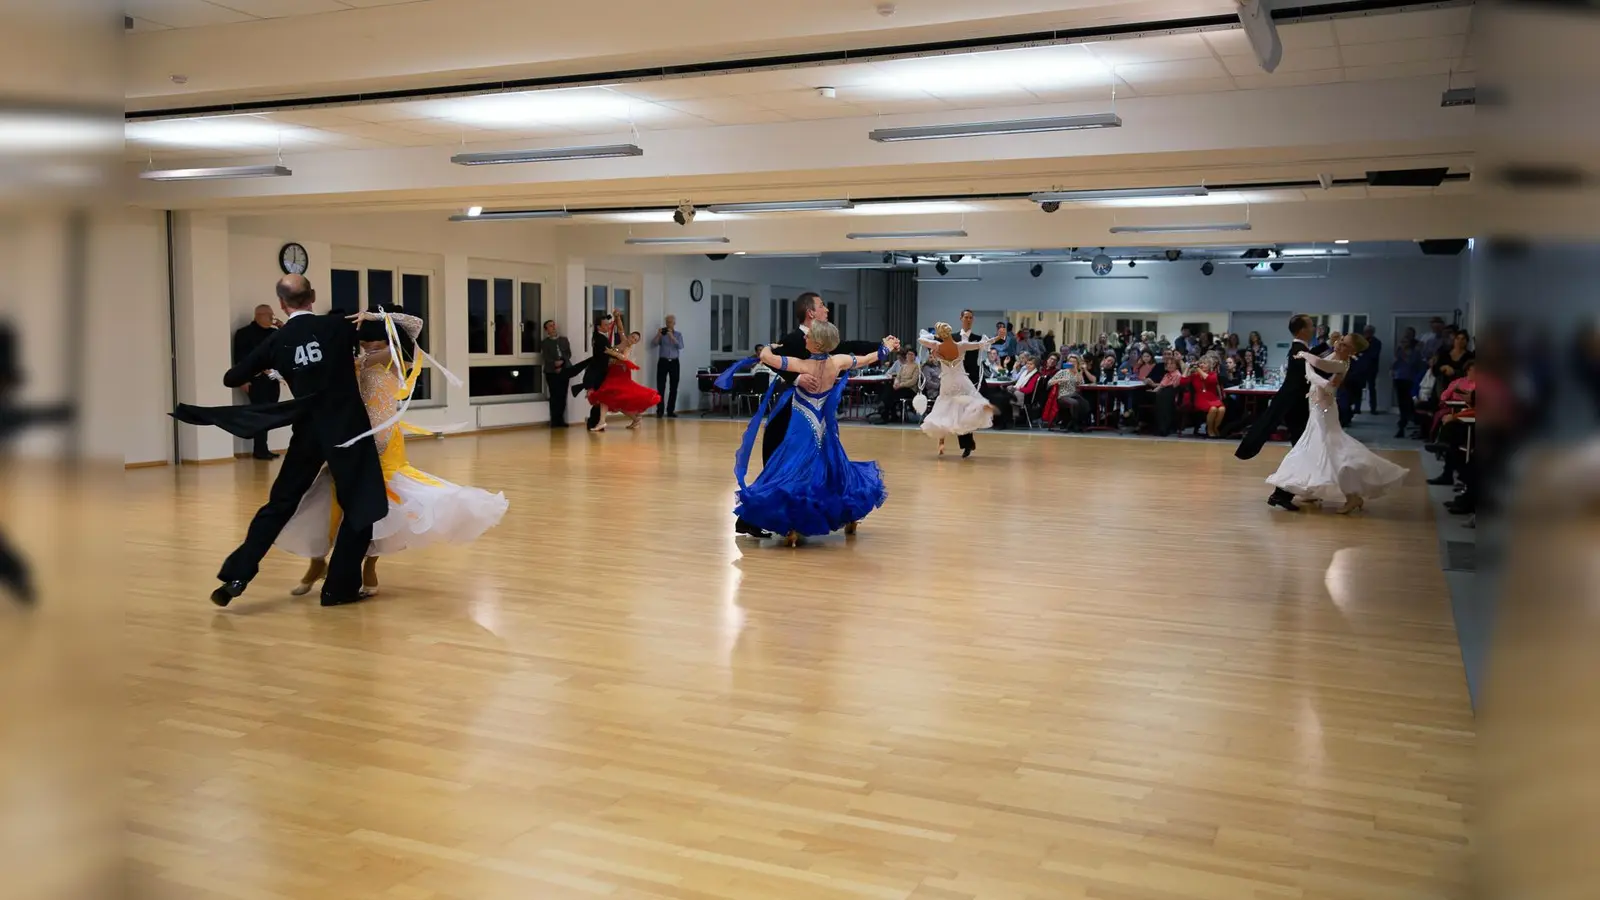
[(299, 312), (805, 329)]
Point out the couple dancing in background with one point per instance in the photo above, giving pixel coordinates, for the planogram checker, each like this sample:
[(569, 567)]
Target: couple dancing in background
[(334, 426), (608, 374), (1325, 465), (808, 486), (960, 408)]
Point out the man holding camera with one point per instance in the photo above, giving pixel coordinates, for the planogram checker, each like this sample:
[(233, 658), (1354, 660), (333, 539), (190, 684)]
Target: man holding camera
[(668, 342)]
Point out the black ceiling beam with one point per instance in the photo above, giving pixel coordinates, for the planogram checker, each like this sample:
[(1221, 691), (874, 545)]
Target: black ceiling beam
[(790, 61)]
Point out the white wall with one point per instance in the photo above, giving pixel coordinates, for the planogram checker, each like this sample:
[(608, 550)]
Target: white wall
[(128, 287)]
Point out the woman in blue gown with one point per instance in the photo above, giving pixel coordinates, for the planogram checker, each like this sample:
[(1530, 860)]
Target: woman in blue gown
[(809, 486)]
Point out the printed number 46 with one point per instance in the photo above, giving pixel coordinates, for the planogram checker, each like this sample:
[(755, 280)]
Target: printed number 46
[(305, 354)]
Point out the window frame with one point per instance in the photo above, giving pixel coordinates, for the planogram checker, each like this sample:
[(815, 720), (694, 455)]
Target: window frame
[(399, 265), (518, 274)]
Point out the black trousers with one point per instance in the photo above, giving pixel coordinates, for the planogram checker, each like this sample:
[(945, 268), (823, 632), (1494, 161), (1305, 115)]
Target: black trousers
[(556, 387), (667, 370), (1371, 386), (301, 463), (262, 390), (1406, 402), (1072, 412)]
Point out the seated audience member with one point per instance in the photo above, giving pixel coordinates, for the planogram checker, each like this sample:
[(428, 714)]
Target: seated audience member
[(992, 366), (1206, 392), (1170, 394), (1451, 363), (1066, 408), (1020, 391), (1459, 390), (1230, 346), (930, 377), (1229, 376), (1005, 343), (1253, 366), (1107, 371), (905, 379)]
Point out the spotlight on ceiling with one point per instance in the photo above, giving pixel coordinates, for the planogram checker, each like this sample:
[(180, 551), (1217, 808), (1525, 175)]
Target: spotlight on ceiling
[(888, 258), (1050, 206), (941, 268), (1036, 270), (956, 257), (1131, 264), (716, 257), (1174, 255), (1277, 267), (684, 214), (1206, 268)]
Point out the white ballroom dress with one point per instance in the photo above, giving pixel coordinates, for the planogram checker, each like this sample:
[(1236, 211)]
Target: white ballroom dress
[(959, 409), (1327, 464)]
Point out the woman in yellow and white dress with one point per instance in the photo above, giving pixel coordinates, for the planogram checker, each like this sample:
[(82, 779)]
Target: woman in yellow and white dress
[(423, 509)]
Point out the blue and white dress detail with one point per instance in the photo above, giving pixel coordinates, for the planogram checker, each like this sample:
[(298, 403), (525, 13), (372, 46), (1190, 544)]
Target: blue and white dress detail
[(809, 486)]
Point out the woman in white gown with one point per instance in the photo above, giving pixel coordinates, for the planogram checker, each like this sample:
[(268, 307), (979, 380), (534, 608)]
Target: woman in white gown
[(959, 408), (1327, 465), (423, 509)]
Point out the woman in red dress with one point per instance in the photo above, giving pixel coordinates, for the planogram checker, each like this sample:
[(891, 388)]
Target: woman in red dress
[(619, 391), (1208, 394)]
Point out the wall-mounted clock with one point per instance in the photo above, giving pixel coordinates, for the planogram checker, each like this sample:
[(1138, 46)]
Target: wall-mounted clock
[(293, 259), (1101, 264), (697, 291)]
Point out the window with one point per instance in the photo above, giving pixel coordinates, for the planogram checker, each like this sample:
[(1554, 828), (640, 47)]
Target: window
[(609, 298), (505, 310), (730, 323), (361, 287)]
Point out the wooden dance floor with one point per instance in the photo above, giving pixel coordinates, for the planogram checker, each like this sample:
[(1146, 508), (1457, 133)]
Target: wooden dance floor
[(1065, 668)]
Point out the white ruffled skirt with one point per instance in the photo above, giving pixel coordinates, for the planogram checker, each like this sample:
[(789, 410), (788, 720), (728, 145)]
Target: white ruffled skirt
[(428, 510), (959, 408)]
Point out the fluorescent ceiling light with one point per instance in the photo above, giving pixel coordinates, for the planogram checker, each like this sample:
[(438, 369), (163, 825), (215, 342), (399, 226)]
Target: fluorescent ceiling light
[(509, 214), (1270, 277), (1178, 229), (1111, 278), (217, 173), (474, 211), (554, 154), (1342, 241), (906, 235), (532, 109), (911, 208), (23, 131), (1262, 262), (676, 240), (984, 74), (855, 266), (1117, 194), (220, 133), (940, 279), (662, 216), (781, 206), (1320, 252), (1008, 126)]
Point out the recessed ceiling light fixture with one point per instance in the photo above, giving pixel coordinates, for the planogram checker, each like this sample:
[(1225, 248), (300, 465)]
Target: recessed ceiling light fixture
[(984, 129), (675, 240), (554, 154), (509, 214), (1342, 241), (1179, 229), (904, 235), (781, 206), (216, 173), (1117, 194)]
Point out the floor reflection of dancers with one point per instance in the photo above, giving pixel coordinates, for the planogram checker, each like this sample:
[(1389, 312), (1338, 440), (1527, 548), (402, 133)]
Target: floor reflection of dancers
[(423, 509), (619, 391), (960, 409), (1326, 464), (809, 486)]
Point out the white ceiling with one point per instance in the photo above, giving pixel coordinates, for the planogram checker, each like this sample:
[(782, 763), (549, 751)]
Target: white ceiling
[(1408, 45), (161, 15)]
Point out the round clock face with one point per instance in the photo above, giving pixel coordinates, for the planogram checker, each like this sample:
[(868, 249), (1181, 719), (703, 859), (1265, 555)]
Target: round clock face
[(1101, 265), (697, 291), (293, 259)]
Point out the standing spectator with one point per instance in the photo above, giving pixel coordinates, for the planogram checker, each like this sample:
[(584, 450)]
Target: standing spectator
[(1374, 356), (1005, 343), (1258, 349), (1049, 342), (555, 353), (668, 342), (1433, 343), (1028, 342), (1451, 363), (263, 388), (1405, 372)]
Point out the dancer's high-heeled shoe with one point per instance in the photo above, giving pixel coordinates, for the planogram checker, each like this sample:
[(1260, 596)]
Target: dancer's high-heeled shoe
[(369, 576), (792, 539), (1351, 504), (314, 573), (635, 423), (941, 446)]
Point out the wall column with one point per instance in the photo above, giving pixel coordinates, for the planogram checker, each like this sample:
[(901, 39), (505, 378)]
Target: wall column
[(205, 328)]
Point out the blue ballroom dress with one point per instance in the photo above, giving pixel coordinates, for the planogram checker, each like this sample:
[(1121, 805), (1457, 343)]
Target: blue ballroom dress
[(809, 486)]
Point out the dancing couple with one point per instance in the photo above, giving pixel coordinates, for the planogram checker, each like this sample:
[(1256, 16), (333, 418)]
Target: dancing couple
[(608, 374), (960, 408), (1325, 465), (808, 486), (334, 426)]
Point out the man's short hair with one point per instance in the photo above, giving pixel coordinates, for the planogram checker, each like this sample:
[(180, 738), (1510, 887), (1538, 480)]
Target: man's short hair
[(548, 323), (966, 312), (1299, 323), (804, 304), (296, 293)]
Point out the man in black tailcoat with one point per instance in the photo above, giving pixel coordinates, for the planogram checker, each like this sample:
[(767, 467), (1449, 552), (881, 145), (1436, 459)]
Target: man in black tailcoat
[(1289, 407)]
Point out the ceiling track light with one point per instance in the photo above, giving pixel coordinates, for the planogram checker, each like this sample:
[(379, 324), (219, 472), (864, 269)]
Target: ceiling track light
[(216, 174), (1178, 229), (1059, 197), (510, 214), (554, 154), (906, 235), (781, 206), (675, 240), (960, 279), (984, 129), (941, 267)]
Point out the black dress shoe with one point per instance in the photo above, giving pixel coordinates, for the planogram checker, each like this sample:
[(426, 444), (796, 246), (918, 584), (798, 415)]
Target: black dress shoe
[(264, 456), (1444, 480), (1457, 508), (672, 415), (743, 527), (966, 452), (225, 594), (1283, 501), (340, 599)]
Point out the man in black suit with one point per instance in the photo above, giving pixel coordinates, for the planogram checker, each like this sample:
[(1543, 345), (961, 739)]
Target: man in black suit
[(314, 354), (972, 362), (1289, 406), (556, 353), (808, 307), (606, 335), (261, 388)]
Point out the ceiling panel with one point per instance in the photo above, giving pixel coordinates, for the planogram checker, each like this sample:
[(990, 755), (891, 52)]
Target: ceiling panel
[(1181, 70), (1299, 36), (1160, 48), (1307, 60), (143, 25), (1392, 52), (1282, 79), (183, 13), (1403, 26), (1399, 70), (726, 111), (1191, 86), (277, 9)]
